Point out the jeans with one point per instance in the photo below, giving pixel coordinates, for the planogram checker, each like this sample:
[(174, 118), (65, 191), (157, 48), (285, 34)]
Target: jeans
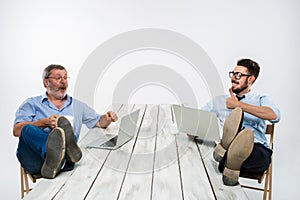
[(258, 161), (32, 148)]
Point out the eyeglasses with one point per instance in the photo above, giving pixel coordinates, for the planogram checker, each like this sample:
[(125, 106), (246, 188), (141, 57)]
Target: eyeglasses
[(58, 79), (237, 75)]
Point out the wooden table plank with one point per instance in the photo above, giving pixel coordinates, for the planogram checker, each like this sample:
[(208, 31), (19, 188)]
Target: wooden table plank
[(138, 180), (166, 180), (221, 191), (195, 182), (47, 188), (194, 178), (109, 181)]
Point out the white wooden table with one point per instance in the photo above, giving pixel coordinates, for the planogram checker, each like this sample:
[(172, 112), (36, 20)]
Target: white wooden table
[(155, 164)]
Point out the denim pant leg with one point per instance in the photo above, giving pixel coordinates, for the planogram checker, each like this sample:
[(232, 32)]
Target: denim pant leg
[(31, 148), (258, 161)]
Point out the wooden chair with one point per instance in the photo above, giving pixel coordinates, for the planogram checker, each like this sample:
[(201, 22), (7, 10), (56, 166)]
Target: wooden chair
[(24, 181), (268, 173)]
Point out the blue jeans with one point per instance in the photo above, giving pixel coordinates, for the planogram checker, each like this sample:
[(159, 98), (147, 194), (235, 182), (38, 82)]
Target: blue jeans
[(32, 148)]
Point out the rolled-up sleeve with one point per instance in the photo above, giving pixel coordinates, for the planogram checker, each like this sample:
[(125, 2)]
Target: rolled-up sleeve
[(266, 101)]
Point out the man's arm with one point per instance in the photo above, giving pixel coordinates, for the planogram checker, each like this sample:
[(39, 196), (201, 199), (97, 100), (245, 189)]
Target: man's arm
[(262, 112), (42, 123)]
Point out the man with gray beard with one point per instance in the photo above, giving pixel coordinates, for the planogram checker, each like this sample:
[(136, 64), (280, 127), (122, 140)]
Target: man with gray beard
[(48, 126)]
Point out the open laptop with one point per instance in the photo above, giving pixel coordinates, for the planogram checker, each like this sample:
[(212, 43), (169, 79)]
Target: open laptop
[(200, 123), (126, 132)]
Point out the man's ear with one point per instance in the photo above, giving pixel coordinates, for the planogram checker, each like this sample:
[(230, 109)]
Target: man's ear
[(45, 82), (251, 79)]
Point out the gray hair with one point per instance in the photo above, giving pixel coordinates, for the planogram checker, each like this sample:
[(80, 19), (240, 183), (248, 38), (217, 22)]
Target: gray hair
[(47, 70)]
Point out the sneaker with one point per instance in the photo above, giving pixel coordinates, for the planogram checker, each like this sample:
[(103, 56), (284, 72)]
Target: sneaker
[(73, 151), (231, 127), (55, 153), (238, 152)]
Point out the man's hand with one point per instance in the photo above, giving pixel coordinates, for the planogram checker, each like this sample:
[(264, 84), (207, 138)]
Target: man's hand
[(107, 118), (232, 101), (42, 123), (51, 121)]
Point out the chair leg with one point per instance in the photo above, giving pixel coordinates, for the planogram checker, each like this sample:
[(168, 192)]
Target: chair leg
[(266, 186), (270, 183), (24, 182)]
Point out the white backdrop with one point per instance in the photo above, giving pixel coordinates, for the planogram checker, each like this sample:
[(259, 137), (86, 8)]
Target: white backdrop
[(35, 34)]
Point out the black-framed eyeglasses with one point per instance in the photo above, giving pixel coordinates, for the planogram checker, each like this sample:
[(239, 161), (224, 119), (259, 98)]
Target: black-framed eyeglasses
[(237, 75), (59, 78)]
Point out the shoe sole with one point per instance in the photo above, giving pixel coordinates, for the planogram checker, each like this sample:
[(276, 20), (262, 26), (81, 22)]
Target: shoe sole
[(238, 152), (73, 151), (55, 153), (231, 127)]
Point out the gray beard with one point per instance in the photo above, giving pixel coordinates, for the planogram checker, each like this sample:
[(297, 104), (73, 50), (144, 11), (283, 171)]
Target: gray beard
[(61, 97)]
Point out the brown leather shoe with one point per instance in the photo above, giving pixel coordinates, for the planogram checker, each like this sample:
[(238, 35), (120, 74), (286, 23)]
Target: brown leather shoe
[(73, 151), (232, 126), (239, 150), (55, 153)]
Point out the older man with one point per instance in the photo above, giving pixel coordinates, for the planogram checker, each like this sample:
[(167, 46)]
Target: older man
[(48, 126)]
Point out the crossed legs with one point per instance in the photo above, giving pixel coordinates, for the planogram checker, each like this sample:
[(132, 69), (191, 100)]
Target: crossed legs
[(237, 151), (48, 154), (235, 147)]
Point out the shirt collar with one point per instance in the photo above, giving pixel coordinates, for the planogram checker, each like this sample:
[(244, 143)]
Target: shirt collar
[(247, 94)]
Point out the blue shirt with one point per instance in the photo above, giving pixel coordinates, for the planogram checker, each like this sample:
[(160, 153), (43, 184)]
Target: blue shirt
[(257, 125), (36, 108)]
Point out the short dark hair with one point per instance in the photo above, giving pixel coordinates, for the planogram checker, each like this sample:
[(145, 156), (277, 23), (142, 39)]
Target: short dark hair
[(251, 65), (48, 69)]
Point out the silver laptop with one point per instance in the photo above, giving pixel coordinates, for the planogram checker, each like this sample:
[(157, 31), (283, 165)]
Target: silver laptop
[(126, 132), (200, 123)]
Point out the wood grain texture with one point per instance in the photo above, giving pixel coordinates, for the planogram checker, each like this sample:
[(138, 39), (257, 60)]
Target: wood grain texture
[(110, 179), (194, 178), (166, 179), (221, 191), (138, 180)]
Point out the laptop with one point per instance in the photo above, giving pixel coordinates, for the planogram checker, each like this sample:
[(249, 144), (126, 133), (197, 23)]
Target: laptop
[(126, 132), (200, 123)]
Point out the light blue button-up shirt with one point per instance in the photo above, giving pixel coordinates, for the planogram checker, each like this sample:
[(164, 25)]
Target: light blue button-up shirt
[(257, 125), (36, 108)]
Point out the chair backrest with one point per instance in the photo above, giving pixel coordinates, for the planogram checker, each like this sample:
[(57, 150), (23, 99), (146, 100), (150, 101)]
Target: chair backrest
[(260, 177), (268, 173), (270, 131)]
